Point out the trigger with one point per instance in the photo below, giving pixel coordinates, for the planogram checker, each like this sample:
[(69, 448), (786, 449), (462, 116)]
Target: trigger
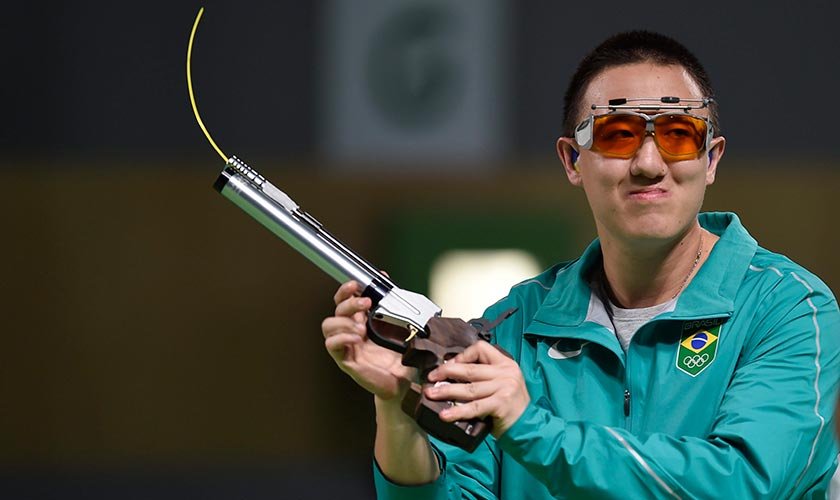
[(413, 333)]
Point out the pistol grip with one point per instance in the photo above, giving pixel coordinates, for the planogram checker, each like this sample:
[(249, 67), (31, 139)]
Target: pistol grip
[(466, 434)]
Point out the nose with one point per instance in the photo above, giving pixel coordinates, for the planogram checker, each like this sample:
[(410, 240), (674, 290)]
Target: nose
[(647, 161)]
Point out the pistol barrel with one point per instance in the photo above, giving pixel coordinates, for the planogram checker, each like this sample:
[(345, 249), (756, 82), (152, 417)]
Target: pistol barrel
[(299, 230)]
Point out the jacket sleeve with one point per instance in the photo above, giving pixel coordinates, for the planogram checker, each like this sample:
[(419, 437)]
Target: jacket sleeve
[(474, 475), (463, 475), (772, 437)]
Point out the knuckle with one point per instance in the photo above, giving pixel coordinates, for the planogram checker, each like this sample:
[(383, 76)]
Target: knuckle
[(331, 343), (506, 394), (510, 388), (455, 412), (340, 294), (344, 308), (344, 291), (332, 347)]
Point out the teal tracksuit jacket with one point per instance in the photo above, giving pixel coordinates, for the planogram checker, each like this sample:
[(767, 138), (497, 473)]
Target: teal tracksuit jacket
[(729, 395)]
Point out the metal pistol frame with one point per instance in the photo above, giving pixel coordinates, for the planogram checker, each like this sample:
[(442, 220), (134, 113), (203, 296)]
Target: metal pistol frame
[(275, 210)]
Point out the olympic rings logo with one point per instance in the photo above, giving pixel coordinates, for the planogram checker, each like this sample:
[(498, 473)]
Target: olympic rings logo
[(696, 361)]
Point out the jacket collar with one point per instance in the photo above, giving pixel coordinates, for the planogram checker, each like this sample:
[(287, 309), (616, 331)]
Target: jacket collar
[(711, 294), (712, 291)]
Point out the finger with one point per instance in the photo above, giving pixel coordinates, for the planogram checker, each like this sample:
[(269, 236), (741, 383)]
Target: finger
[(481, 352), (345, 291), (352, 305), (335, 325), (360, 317), (337, 344), (462, 392), (477, 408), (465, 372)]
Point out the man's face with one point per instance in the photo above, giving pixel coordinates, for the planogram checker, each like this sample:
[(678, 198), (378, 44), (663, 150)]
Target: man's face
[(642, 199)]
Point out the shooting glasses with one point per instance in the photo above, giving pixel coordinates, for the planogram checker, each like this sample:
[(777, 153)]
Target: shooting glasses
[(620, 133)]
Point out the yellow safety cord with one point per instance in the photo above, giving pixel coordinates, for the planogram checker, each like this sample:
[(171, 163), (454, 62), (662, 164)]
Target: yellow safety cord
[(190, 87)]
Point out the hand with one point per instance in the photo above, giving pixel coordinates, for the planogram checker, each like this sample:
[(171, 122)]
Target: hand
[(378, 370), (401, 449), (488, 383)]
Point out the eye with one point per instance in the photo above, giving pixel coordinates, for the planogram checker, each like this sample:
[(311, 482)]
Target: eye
[(678, 129), (617, 134), (678, 132), (617, 131)]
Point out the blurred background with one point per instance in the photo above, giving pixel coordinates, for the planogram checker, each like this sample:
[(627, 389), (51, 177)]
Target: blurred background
[(158, 343)]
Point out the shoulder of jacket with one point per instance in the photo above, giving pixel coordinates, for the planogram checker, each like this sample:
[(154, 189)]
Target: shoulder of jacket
[(533, 290), (526, 296), (777, 272)]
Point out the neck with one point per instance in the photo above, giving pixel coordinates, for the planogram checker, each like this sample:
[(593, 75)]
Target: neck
[(650, 274)]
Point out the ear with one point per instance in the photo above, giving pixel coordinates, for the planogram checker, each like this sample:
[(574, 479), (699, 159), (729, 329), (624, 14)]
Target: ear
[(716, 149), (567, 151)]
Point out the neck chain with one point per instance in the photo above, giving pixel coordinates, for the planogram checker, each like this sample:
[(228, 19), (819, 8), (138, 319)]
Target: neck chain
[(693, 267)]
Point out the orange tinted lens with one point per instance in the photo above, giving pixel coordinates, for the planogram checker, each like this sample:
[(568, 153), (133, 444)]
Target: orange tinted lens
[(680, 135), (618, 135)]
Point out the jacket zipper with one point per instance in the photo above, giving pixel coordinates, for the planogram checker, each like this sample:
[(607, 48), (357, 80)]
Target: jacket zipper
[(626, 402), (627, 420)]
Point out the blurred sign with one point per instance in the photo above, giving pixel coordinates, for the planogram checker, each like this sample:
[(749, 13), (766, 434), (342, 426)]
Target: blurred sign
[(414, 82), (465, 282)]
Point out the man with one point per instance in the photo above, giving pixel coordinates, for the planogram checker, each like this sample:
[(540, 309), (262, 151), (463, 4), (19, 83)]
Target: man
[(675, 358)]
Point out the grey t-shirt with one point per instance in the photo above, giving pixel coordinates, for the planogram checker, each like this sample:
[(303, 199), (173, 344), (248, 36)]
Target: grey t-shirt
[(628, 321)]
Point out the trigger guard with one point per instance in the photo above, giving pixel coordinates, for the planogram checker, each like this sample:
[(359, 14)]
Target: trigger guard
[(382, 340)]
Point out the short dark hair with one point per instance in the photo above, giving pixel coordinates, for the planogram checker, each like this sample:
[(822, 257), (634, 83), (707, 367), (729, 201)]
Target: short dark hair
[(628, 48)]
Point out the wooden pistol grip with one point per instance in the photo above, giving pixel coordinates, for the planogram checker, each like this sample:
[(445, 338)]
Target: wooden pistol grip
[(466, 434)]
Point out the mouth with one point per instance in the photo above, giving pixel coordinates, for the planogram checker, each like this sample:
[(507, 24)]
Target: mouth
[(648, 194)]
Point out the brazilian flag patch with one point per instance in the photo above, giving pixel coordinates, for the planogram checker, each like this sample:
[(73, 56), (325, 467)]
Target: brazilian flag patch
[(697, 350)]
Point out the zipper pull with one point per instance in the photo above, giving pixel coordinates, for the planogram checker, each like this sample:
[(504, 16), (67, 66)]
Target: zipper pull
[(626, 402)]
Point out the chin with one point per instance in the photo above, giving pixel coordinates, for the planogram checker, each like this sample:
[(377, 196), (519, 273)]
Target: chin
[(653, 227)]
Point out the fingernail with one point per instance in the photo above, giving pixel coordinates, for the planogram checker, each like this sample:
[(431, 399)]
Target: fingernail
[(360, 327), (444, 414)]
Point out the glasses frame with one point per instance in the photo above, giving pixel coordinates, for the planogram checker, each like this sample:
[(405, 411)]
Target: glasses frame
[(584, 132)]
